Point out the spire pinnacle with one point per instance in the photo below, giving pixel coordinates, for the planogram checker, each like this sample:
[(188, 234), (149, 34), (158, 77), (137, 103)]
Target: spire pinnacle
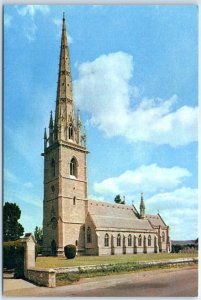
[(142, 205), (78, 118)]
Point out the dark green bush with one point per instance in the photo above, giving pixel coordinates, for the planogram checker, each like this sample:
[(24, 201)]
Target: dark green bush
[(70, 251), (13, 257)]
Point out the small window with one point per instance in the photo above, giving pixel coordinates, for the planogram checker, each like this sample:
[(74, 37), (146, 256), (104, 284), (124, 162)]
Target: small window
[(52, 188), (140, 240), (53, 167), (70, 132), (129, 240), (106, 240), (89, 235), (149, 240), (74, 199), (119, 240), (76, 243), (163, 236), (73, 167)]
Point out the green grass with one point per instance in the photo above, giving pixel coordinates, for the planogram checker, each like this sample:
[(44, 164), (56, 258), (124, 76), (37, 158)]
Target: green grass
[(54, 262)]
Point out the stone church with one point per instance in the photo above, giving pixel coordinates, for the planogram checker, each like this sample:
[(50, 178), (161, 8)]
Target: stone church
[(69, 217)]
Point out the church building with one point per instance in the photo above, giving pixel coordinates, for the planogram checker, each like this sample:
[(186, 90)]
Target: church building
[(69, 217)]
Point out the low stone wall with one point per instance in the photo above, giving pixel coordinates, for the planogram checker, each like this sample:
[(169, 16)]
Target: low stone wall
[(43, 277), (47, 277)]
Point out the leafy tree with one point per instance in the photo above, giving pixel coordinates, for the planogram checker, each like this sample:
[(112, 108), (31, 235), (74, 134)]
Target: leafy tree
[(12, 229), (38, 234), (118, 199)]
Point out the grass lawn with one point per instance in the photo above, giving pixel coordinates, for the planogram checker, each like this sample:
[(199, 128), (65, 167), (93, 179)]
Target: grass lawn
[(53, 262)]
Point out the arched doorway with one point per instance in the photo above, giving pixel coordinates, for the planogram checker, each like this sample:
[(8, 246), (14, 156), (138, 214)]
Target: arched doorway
[(53, 248)]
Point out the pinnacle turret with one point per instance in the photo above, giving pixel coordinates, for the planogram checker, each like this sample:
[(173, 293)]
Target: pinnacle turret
[(142, 207)]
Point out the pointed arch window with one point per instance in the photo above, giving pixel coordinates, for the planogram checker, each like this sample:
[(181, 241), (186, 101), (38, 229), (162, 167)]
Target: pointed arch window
[(163, 236), (89, 239), (53, 168), (140, 240), (106, 240), (70, 131), (73, 167), (149, 240), (129, 240), (119, 240)]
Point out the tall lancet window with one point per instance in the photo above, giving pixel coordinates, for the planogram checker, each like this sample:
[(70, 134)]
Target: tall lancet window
[(70, 132), (73, 167), (53, 167)]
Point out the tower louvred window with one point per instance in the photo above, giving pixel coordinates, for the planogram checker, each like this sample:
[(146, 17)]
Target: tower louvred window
[(73, 167), (53, 167), (70, 131)]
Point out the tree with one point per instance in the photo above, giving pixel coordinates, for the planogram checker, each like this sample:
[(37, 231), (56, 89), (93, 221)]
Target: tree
[(118, 199), (12, 229), (38, 234)]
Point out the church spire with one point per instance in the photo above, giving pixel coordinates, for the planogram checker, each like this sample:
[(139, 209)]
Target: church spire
[(64, 113)]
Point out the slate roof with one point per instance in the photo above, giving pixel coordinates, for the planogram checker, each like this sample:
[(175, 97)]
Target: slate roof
[(106, 215), (155, 220)]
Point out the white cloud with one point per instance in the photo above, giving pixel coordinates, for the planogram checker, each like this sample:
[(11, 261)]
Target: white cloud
[(7, 20), (58, 23), (31, 10), (149, 179), (179, 209), (103, 90)]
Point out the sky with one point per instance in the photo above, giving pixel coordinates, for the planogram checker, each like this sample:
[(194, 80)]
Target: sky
[(135, 81)]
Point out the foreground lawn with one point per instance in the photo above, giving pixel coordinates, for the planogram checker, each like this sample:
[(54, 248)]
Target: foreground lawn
[(53, 262)]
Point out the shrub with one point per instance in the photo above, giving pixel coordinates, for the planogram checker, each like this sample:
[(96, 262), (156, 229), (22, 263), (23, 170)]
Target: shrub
[(13, 257), (70, 251)]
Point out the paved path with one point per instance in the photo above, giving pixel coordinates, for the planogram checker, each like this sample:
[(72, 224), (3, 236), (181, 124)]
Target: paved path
[(165, 283)]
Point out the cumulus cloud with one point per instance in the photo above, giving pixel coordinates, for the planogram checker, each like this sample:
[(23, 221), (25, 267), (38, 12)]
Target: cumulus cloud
[(103, 89), (29, 11), (179, 209), (146, 178)]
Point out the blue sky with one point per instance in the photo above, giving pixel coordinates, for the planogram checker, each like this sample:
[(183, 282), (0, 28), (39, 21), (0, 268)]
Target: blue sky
[(135, 80)]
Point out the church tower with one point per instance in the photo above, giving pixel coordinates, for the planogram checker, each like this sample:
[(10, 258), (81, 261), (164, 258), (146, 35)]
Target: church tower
[(65, 169)]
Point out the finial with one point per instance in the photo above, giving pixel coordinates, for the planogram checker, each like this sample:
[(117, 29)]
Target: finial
[(63, 16), (51, 120), (45, 134), (78, 118)]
